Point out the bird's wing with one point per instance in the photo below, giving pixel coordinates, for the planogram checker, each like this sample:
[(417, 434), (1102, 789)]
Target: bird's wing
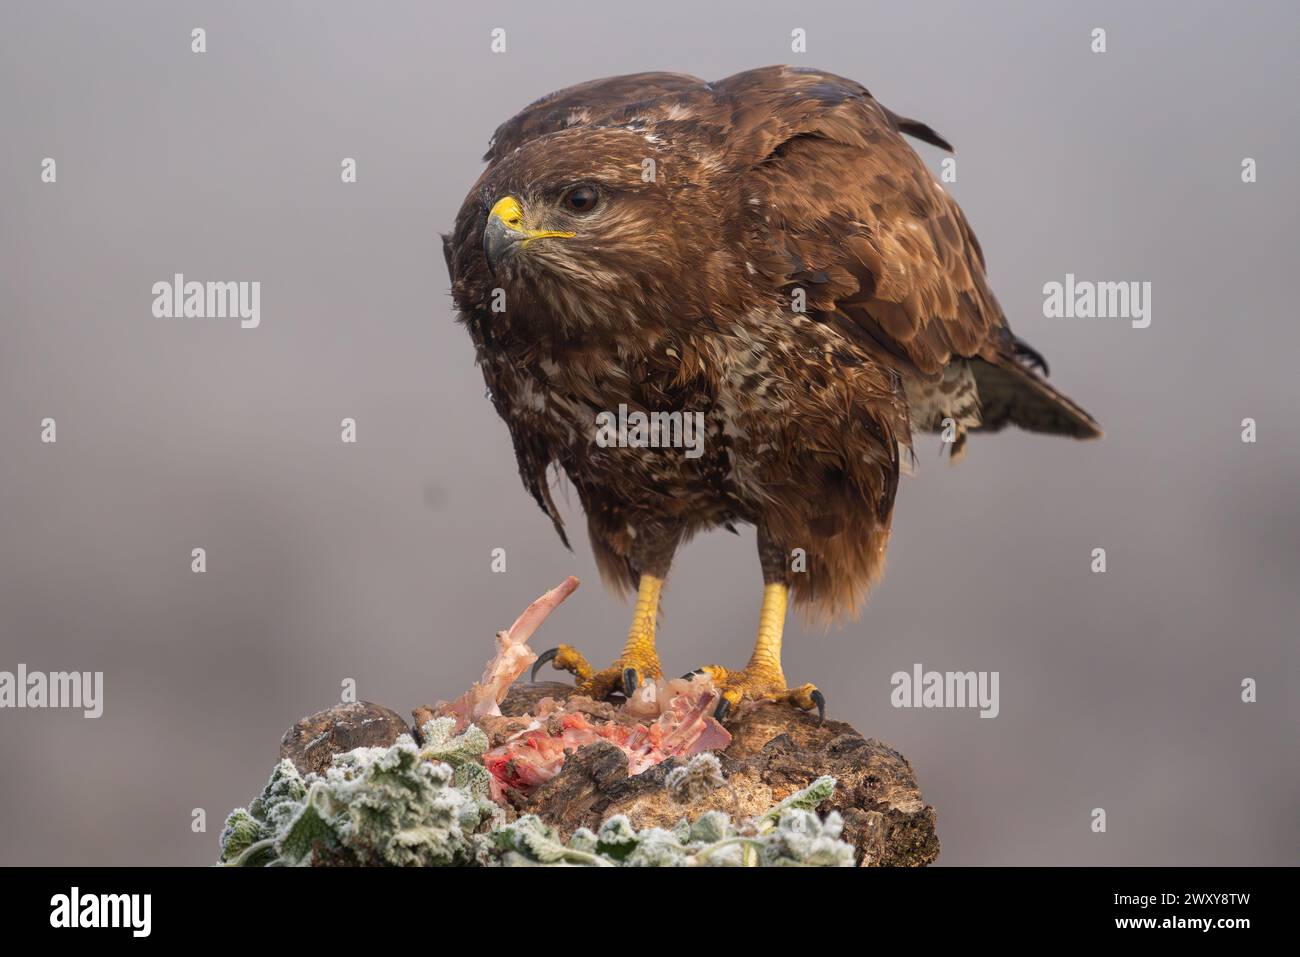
[(838, 204), (595, 102)]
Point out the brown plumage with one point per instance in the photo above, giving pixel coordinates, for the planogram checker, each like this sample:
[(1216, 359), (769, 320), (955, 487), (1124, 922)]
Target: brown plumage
[(681, 292)]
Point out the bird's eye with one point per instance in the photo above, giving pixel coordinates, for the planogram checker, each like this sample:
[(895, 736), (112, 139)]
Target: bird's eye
[(581, 199)]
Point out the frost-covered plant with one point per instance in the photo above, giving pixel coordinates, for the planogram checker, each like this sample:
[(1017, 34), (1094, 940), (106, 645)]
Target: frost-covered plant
[(396, 806), (428, 806), (802, 838), (699, 776), (823, 789)]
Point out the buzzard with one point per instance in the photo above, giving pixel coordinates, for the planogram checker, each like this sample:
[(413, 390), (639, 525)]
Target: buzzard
[(766, 253)]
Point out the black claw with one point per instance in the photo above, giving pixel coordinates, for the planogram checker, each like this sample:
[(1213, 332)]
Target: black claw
[(630, 682), (1031, 355), (542, 659), (819, 700), (720, 712)]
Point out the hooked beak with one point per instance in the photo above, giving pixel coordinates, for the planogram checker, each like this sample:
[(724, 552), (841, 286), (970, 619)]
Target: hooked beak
[(505, 229)]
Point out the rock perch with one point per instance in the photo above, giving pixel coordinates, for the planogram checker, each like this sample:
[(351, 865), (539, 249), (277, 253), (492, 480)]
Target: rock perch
[(559, 755)]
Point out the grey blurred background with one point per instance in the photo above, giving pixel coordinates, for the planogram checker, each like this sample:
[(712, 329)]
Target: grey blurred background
[(329, 561)]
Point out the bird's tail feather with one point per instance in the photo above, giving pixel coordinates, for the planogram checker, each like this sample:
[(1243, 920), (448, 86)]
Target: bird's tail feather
[(1012, 394)]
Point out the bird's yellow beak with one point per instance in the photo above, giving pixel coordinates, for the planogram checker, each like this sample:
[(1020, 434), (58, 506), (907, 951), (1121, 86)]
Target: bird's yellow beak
[(505, 229)]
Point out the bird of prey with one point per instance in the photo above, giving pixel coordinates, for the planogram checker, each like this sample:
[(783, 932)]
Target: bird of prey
[(766, 252)]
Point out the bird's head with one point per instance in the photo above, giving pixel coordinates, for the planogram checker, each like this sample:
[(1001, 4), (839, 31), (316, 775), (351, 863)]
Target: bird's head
[(582, 223)]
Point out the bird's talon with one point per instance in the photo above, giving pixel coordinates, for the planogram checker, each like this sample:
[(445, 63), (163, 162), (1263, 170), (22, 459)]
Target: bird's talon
[(542, 659), (819, 700), (565, 658), (623, 677), (759, 686)]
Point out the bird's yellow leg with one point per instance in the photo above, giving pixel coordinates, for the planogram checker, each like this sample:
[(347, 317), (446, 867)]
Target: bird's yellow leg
[(638, 661), (762, 679)]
